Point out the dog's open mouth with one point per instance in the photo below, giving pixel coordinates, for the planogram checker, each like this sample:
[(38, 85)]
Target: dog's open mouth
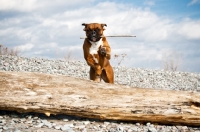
[(94, 39)]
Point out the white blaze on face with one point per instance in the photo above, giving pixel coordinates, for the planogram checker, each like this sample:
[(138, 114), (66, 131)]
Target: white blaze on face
[(95, 47)]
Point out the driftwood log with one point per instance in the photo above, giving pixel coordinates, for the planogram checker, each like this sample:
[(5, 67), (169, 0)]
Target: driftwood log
[(56, 94)]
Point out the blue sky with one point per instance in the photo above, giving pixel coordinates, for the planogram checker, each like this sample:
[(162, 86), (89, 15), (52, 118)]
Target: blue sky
[(166, 30)]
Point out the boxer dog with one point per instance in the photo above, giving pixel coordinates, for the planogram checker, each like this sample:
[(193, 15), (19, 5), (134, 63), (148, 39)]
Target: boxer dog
[(97, 53)]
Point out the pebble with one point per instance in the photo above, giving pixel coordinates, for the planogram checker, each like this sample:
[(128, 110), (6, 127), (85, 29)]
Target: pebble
[(86, 122), (66, 120), (148, 124), (57, 127), (134, 129), (17, 131), (152, 129), (136, 77), (39, 125), (81, 127), (137, 124), (66, 127), (5, 128), (69, 125)]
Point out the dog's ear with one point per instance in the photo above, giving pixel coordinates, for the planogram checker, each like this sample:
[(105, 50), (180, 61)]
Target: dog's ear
[(103, 26), (83, 24)]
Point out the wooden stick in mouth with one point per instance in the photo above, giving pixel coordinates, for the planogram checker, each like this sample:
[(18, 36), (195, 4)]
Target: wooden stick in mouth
[(113, 36)]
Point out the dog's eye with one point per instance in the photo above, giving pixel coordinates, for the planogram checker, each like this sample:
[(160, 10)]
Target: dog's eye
[(97, 29)]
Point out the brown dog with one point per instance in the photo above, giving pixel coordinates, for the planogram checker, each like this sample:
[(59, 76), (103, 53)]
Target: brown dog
[(97, 53)]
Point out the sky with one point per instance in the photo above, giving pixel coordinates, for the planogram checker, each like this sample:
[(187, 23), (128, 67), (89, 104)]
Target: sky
[(166, 30)]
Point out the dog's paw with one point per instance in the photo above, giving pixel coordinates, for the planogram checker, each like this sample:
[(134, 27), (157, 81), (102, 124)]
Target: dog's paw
[(103, 51)]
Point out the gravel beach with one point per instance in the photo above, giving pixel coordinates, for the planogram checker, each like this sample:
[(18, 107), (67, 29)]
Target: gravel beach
[(135, 77)]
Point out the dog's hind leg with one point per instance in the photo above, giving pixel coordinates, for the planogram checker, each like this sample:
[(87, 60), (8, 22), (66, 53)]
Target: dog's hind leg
[(108, 76), (94, 76)]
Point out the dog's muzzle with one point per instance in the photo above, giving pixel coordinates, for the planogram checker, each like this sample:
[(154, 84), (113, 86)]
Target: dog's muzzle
[(94, 35)]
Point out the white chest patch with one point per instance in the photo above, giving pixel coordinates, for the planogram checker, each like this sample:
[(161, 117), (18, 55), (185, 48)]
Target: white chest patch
[(95, 47)]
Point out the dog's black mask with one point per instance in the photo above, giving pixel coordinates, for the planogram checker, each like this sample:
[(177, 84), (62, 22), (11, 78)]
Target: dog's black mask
[(94, 35)]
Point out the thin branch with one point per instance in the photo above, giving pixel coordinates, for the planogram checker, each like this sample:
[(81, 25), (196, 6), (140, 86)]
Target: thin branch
[(113, 36)]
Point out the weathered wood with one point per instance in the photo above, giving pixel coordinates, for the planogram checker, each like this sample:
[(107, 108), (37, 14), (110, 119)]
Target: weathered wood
[(53, 94)]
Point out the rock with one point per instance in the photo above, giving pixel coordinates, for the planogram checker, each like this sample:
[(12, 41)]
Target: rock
[(39, 131), (35, 118), (29, 117), (112, 130), (102, 126), (86, 122), (152, 129), (134, 129), (120, 128), (161, 128), (53, 124), (5, 128), (137, 124), (184, 128), (81, 127), (95, 127), (22, 119), (69, 125), (85, 130), (15, 120), (46, 123), (17, 130), (29, 122), (65, 128), (148, 124), (179, 127), (58, 127), (40, 125), (66, 120), (174, 129), (12, 122)]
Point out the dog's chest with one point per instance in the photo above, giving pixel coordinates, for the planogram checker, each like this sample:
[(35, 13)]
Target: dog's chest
[(95, 46), (94, 49)]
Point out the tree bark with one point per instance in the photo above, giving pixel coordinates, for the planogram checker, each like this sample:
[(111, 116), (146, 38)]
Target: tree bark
[(56, 94)]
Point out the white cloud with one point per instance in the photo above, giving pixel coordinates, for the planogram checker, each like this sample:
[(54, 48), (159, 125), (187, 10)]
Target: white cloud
[(194, 2), (21, 5), (25, 47), (190, 29), (33, 5), (149, 3)]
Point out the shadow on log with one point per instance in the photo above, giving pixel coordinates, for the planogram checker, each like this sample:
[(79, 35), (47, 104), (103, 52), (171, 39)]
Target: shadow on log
[(56, 94)]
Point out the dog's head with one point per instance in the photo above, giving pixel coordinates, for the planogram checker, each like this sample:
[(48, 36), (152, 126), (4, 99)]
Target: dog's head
[(94, 31)]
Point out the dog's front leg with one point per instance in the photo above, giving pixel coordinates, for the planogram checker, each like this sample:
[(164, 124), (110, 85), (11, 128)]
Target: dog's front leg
[(105, 52), (92, 61)]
